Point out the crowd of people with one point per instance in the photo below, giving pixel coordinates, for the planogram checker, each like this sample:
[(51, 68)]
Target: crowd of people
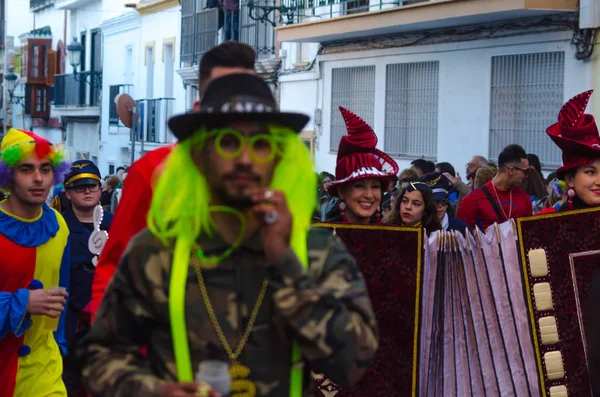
[(368, 189), (236, 192)]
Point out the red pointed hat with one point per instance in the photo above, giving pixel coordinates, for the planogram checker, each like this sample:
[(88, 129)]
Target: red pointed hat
[(357, 156), (576, 134)]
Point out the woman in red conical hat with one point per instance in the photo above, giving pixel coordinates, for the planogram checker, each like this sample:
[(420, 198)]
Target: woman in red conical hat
[(362, 173), (576, 134)]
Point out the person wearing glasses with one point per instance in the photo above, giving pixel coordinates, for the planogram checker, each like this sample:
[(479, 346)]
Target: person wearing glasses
[(83, 189), (501, 198)]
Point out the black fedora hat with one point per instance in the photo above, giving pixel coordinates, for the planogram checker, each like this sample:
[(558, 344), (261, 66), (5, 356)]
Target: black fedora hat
[(235, 97)]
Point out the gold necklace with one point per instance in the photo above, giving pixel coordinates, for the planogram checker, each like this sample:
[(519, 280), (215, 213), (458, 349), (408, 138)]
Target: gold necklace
[(213, 318), (500, 202)]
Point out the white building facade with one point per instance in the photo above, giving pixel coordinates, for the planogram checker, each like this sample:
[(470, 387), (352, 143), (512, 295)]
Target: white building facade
[(141, 54), (58, 101), (434, 92)]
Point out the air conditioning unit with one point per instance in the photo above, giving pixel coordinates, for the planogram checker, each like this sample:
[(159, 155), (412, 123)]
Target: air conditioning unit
[(589, 14)]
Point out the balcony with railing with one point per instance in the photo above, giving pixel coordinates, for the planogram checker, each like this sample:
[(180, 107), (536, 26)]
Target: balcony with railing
[(152, 129), (77, 95), (336, 20), (203, 28)]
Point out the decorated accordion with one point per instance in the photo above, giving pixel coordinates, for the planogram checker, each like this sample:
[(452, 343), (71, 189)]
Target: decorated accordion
[(500, 313)]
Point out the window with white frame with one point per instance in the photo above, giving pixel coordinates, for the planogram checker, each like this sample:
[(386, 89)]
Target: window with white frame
[(354, 89), (526, 95), (411, 109)]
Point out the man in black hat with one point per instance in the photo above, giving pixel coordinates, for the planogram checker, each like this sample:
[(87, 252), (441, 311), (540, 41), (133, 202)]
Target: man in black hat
[(263, 293), (227, 58), (82, 188)]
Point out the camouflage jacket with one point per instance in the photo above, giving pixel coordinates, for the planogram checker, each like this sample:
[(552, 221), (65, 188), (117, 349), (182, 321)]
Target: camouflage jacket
[(326, 309)]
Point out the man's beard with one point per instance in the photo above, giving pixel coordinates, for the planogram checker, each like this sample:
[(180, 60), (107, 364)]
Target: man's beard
[(240, 201)]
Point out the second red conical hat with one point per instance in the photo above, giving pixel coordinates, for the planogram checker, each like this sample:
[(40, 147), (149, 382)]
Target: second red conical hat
[(358, 157)]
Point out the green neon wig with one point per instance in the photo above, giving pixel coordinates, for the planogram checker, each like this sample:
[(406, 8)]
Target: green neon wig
[(180, 212)]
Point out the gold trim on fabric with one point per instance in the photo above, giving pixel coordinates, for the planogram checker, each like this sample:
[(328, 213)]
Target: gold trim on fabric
[(554, 365), (577, 300), (538, 263), (542, 292), (557, 214), (548, 330), (536, 345), (559, 391), (335, 226)]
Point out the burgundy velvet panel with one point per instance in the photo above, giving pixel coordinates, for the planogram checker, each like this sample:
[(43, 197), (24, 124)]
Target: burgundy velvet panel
[(390, 260), (566, 240)]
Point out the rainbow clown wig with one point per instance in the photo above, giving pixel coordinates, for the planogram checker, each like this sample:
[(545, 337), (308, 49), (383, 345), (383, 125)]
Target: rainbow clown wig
[(19, 145)]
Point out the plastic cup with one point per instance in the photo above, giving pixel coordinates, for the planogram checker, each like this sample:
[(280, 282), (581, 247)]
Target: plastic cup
[(216, 374), (51, 324)]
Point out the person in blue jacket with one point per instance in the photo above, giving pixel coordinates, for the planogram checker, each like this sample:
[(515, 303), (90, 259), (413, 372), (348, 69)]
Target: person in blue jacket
[(83, 189), (441, 187)]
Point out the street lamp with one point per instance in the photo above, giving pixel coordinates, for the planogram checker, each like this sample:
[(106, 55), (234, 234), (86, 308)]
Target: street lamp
[(11, 83), (75, 50)]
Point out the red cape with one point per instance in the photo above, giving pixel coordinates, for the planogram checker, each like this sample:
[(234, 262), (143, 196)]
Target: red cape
[(129, 219)]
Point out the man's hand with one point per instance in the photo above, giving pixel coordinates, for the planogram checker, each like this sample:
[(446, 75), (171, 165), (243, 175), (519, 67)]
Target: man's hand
[(270, 208), (184, 390), (453, 180), (47, 302)]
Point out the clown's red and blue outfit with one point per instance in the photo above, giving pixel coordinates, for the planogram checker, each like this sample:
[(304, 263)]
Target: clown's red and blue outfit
[(34, 254)]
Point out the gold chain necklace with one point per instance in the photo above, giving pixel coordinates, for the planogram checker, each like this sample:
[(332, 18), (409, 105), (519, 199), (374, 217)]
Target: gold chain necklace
[(213, 318), (500, 202)]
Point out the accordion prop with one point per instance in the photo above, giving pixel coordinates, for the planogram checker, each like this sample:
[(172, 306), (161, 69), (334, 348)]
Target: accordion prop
[(494, 314)]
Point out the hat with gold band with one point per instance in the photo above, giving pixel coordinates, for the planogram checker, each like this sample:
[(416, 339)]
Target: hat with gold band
[(83, 172)]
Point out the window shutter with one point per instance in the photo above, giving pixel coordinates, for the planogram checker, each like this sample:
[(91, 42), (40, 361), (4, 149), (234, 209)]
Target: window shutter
[(52, 63), (354, 89), (514, 116), (28, 99), (113, 117)]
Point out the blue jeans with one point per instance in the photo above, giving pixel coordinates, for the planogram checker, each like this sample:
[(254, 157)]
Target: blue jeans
[(232, 25)]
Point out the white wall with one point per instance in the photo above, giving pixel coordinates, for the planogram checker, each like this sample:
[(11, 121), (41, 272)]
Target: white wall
[(170, 28), (137, 31), (464, 90), (56, 20), (118, 35), (83, 137)]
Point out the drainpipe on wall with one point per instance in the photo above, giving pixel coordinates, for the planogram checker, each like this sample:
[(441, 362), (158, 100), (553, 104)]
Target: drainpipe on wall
[(65, 30)]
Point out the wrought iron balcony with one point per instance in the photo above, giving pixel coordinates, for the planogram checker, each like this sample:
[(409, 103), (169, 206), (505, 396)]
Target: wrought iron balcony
[(81, 91), (202, 29), (154, 114), (298, 11)]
